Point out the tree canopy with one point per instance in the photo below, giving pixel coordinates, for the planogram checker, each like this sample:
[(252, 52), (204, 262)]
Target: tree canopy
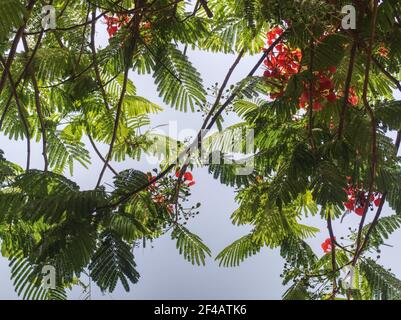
[(319, 101)]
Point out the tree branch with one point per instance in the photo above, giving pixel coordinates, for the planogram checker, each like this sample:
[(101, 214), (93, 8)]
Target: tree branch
[(373, 126)]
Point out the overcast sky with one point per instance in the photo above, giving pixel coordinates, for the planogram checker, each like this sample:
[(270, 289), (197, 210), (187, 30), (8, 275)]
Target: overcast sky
[(164, 273)]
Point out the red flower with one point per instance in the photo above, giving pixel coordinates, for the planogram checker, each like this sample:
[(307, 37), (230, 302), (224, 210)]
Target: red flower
[(188, 176), (331, 97), (282, 62), (325, 84), (332, 69), (147, 25), (112, 30), (378, 202), (115, 23), (350, 205), (358, 200), (353, 98), (273, 34), (327, 245), (383, 51), (360, 211), (317, 106), (323, 88)]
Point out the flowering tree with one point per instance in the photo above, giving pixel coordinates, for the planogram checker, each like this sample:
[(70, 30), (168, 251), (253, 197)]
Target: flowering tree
[(319, 101)]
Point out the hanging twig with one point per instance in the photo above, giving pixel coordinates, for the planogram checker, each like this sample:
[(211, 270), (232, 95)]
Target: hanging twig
[(39, 111)]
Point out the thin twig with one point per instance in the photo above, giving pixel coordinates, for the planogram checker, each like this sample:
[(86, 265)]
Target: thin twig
[(92, 142)]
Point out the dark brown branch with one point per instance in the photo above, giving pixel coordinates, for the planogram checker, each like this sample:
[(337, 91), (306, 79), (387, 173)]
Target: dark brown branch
[(250, 74), (333, 253), (206, 8), (373, 127), (223, 87)]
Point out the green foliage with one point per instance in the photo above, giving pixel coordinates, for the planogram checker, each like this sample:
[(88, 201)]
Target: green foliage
[(384, 228), (190, 245), (13, 13), (238, 251), (113, 261), (384, 285), (28, 280), (297, 292), (177, 80)]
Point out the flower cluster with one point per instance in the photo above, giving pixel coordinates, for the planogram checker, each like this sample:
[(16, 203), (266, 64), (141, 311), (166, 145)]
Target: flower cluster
[(158, 195), (115, 23), (383, 51), (188, 178), (324, 91), (282, 62), (164, 192), (358, 199)]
